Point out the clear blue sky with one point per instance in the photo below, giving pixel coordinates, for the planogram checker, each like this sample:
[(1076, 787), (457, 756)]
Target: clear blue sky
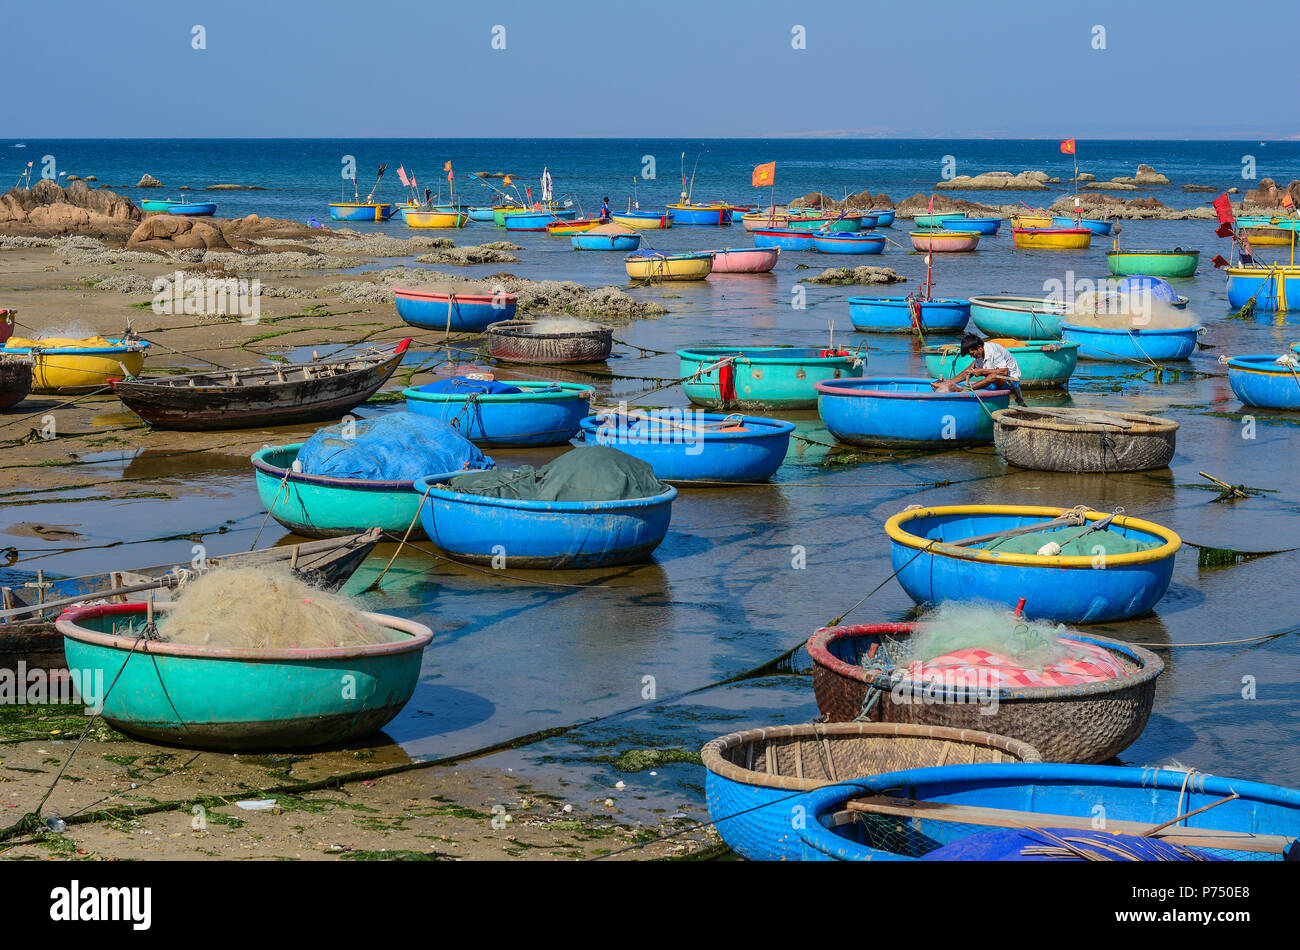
[(650, 68)]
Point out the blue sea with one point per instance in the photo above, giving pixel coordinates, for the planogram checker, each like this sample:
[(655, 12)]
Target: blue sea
[(303, 175)]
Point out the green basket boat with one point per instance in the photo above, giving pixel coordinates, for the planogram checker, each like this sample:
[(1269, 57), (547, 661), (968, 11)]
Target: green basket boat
[(1175, 263), (240, 699), (1044, 364), (762, 377)]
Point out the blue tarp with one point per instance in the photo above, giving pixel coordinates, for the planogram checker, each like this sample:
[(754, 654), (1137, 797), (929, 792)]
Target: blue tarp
[(397, 446), (1010, 844), (463, 385)]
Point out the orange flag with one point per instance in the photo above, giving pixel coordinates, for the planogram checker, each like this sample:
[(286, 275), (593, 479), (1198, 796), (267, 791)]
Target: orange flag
[(1067, 147), (764, 175)]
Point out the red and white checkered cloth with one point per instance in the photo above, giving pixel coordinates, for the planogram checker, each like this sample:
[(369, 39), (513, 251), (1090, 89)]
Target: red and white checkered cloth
[(983, 669)]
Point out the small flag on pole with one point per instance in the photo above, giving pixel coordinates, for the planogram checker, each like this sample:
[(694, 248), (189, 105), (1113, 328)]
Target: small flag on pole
[(1224, 230), (1287, 200), (764, 175), (401, 176), (447, 169), (1219, 261), (1067, 147), (1223, 208)]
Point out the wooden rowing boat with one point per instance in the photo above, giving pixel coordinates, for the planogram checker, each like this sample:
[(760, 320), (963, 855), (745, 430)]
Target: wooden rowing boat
[(260, 396), (27, 613)]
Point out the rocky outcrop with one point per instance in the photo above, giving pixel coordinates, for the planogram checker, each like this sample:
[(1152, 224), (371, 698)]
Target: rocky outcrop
[(919, 204), (1209, 188), (856, 275), (494, 252), (254, 228), (1110, 186), (1145, 177), (1267, 194), (165, 232), (860, 201), (46, 210), (997, 181), (148, 181), (1113, 206)]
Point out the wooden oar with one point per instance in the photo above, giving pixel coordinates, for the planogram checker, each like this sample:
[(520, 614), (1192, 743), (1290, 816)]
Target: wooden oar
[(1007, 818), (90, 596)]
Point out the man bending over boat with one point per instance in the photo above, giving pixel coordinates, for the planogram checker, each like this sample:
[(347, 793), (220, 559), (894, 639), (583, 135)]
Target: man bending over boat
[(604, 211), (993, 367)]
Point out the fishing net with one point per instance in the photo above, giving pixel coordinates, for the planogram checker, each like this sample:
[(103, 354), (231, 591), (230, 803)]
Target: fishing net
[(397, 446), (1128, 311), (1072, 543), (563, 325), (259, 608), (592, 473), (59, 342), (612, 228)]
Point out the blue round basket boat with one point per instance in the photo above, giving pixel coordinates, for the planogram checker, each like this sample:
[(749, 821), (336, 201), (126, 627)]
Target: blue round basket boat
[(543, 414), (932, 568), (452, 312), (786, 239), (586, 241), (1260, 823), (1017, 317), (762, 377), (978, 225), (889, 412), (884, 218), (757, 776), (685, 445), (1140, 345), (894, 315), (236, 699), (1265, 381), (1094, 225), (842, 242), (483, 529)]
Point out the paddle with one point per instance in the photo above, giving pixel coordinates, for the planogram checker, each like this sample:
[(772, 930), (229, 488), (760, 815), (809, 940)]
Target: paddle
[(83, 598)]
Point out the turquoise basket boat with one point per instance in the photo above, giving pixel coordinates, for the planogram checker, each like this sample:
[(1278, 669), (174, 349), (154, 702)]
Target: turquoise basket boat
[(937, 219), (936, 812), (240, 699), (1175, 263), (1142, 346), (1067, 589), (904, 412), (1265, 381), (753, 778), (543, 414), (542, 535), (321, 506), (762, 377), (1017, 317), (894, 315), (1044, 364)]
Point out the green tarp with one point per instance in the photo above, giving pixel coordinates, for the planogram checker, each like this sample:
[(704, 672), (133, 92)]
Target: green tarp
[(1085, 546), (593, 473)]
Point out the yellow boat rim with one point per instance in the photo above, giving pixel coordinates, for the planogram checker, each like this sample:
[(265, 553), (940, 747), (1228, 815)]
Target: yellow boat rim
[(894, 529)]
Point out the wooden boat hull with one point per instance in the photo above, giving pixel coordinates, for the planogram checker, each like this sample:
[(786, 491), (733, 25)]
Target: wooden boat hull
[(33, 639), (435, 218), (1063, 589), (1092, 224), (544, 413), (937, 219), (1073, 440), (239, 699), (745, 260), (976, 225), (82, 369), (894, 315), (1274, 288), (1039, 368), (318, 506), (165, 404), (701, 215), (1153, 263), (669, 267), (785, 239), (1052, 239), (890, 412), (751, 776), (456, 313), (606, 242), (518, 342), (1262, 381), (674, 444), (761, 377), (1139, 798), (350, 211), (1020, 318), (863, 242), (1129, 345), (642, 220), (15, 381), (1104, 718), (945, 241), (554, 535)]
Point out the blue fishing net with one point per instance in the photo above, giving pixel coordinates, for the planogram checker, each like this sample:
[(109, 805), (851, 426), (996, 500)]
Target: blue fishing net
[(397, 446), (463, 385)]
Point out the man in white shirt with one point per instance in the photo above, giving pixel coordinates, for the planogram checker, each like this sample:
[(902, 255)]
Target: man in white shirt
[(993, 368)]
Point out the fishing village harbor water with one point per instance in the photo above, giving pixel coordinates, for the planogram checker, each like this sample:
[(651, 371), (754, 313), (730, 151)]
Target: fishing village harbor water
[(814, 495)]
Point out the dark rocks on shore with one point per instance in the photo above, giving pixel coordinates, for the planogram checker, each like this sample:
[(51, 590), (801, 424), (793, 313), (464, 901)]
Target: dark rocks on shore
[(856, 275), (1146, 176), (919, 204), (1199, 188), (148, 181), (165, 232), (859, 201), (47, 210)]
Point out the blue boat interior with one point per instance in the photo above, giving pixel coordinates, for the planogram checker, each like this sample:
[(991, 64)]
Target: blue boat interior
[(958, 527)]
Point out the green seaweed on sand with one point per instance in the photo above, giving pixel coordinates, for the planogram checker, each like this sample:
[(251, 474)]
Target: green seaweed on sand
[(397, 855), (639, 760)]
